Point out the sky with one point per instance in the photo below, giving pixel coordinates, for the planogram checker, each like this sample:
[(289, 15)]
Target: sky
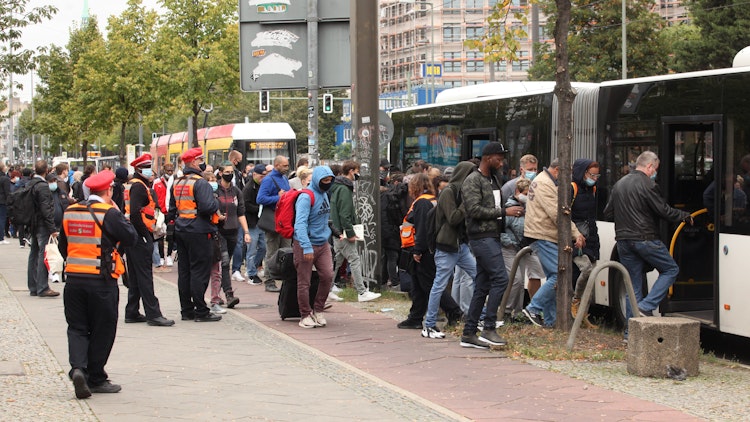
[(57, 30)]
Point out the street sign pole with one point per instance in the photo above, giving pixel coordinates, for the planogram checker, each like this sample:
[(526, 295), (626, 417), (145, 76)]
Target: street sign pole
[(312, 81)]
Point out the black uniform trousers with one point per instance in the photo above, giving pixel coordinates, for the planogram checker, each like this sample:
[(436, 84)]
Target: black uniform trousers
[(141, 280), (91, 313), (193, 272)]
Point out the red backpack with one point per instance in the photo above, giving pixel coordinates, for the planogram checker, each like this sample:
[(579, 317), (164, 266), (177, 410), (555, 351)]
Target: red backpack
[(286, 212)]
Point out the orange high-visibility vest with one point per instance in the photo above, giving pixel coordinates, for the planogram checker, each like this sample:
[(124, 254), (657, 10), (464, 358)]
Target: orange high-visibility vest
[(184, 196), (84, 238), (147, 212)]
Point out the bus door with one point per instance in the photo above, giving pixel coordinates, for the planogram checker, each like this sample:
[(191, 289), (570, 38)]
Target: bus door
[(475, 139), (688, 169)]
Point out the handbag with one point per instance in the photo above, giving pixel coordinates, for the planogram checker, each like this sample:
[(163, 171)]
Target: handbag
[(160, 229), (267, 220), (53, 259)]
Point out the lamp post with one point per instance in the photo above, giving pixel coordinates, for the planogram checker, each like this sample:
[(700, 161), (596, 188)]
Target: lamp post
[(428, 69), (624, 43)]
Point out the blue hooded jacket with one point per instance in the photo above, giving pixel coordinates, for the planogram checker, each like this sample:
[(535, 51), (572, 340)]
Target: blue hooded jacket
[(311, 224)]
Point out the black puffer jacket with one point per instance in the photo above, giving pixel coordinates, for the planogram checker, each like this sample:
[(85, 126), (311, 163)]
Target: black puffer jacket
[(584, 207), (45, 210), (637, 206), (389, 220)]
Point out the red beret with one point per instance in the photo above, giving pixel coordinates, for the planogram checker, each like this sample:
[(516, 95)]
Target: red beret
[(192, 154), (100, 181), (142, 161)]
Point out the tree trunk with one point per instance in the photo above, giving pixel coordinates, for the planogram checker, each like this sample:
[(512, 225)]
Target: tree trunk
[(565, 97), (123, 148), (194, 128)]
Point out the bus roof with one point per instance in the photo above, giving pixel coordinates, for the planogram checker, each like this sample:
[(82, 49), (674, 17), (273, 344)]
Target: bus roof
[(260, 131), (674, 76)]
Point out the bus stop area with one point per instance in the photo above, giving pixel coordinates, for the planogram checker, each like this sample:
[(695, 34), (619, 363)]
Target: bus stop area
[(254, 366)]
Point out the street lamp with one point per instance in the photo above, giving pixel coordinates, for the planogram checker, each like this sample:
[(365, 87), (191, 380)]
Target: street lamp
[(429, 69)]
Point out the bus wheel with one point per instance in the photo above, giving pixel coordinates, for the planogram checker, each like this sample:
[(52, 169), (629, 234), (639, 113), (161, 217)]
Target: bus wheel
[(617, 295)]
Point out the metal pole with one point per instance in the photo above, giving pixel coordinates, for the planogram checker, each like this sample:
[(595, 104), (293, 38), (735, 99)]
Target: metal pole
[(312, 81), (432, 52), (624, 42)]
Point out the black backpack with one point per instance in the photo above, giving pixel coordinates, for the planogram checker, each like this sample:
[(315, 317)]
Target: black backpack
[(431, 229), (21, 208)]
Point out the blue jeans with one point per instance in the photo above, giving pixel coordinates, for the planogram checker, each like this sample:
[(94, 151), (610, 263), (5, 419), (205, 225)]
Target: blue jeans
[(545, 300), (635, 255), (445, 262), (256, 251), (489, 285), (36, 271), (237, 252), (462, 289)]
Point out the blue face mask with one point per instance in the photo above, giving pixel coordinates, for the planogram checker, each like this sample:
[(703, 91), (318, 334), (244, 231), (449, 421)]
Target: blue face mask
[(214, 185), (653, 176), (147, 172), (530, 175), (590, 182), (53, 187)]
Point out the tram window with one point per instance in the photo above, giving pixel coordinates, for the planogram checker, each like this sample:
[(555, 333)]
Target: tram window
[(736, 179)]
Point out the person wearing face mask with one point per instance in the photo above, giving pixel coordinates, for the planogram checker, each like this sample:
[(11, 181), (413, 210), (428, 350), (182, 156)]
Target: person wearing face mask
[(273, 186), (527, 170), (512, 240), (139, 208), (191, 206), (583, 213), (59, 203), (637, 206), (344, 217)]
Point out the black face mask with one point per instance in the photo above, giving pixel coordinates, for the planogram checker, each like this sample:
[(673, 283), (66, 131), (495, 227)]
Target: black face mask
[(356, 176), (227, 177), (325, 186), (202, 166)]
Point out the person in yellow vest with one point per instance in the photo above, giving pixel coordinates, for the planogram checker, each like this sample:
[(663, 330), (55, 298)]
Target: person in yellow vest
[(90, 232), (139, 208), (191, 206)]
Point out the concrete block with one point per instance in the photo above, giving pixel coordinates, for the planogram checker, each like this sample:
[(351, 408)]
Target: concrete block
[(655, 343)]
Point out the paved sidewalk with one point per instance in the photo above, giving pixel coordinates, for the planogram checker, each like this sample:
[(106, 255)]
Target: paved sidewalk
[(253, 366)]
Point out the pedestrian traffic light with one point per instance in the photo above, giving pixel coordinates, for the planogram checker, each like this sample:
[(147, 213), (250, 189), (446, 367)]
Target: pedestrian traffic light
[(264, 102), (328, 103)]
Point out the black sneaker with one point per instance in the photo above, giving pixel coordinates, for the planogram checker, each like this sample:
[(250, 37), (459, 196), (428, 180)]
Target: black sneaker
[(208, 318), (232, 301), (79, 383), (645, 313), (137, 318), (492, 338), (105, 387), (188, 317), (473, 341), (255, 281), (454, 318), (534, 318), (410, 325)]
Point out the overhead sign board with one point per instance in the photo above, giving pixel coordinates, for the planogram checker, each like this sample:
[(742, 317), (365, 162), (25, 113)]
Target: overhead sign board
[(274, 52)]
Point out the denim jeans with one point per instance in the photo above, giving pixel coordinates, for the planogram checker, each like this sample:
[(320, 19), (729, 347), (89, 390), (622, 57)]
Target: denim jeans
[(348, 250), (462, 289), (445, 262), (256, 250), (635, 255), (36, 271), (489, 285), (238, 251), (545, 300)]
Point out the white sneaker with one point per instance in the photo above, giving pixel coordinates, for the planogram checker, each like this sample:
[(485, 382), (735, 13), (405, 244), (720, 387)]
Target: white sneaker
[(308, 322), (334, 297), (170, 261), (319, 318), (217, 309), (237, 276), (161, 262), (367, 296), (336, 289), (4, 242)]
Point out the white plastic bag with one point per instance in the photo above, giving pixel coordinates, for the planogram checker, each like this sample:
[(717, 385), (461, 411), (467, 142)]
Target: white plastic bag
[(52, 257)]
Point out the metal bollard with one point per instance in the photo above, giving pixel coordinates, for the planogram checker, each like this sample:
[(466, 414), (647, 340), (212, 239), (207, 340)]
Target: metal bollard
[(525, 251)]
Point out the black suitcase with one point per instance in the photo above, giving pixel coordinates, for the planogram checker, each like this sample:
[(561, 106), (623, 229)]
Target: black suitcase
[(288, 306)]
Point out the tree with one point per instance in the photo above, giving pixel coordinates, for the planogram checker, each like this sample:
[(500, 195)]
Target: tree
[(14, 17), (120, 74), (595, 39), (505, 29), (197, 54), (723, 29)]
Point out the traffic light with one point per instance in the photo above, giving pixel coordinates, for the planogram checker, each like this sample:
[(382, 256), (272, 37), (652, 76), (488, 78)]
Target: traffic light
[(328, 103), (264, 102)]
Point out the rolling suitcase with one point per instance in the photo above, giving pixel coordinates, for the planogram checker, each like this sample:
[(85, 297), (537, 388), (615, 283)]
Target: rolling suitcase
[(288, 306)]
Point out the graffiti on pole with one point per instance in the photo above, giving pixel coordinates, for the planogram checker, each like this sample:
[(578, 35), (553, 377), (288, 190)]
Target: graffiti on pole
[(365, 202)]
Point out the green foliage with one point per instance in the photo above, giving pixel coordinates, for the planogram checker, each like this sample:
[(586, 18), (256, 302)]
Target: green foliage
[(14, 17), (722, 28), (505, 27), (595, 39)]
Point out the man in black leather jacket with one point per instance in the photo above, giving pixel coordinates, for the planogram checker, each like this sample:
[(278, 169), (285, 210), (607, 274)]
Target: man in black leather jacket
[(637, 207)]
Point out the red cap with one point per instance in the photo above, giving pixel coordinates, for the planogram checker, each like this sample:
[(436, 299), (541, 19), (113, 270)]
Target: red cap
[(192, 154), (142, 161), (100, 181)]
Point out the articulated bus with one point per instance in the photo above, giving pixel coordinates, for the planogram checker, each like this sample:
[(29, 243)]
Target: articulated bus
[(258, 143), (699, 125)]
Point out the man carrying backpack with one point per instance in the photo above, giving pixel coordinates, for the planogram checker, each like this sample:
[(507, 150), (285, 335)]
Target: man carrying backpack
[(344, 217), (310, 246), (42, 225)]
